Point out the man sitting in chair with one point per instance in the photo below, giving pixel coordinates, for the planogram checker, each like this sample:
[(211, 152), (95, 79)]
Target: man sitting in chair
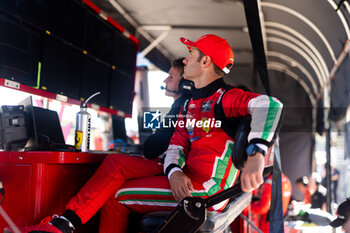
[(198, 159)]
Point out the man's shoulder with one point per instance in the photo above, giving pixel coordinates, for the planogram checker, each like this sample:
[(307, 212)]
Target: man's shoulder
[(227, 87), (318, 195), (180, 101)]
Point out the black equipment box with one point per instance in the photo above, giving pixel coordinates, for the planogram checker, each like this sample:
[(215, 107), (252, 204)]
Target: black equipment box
[(13, 130)]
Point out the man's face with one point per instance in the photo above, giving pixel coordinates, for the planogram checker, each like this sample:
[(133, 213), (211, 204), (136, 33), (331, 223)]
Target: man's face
[(301, 187), (172, 81), (346, 226), (192, 68)]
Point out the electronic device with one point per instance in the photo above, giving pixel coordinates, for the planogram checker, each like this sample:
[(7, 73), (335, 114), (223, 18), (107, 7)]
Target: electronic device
[(44, 129), (13, 130)]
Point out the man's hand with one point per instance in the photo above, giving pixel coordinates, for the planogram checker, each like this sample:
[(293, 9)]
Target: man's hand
[(252, 174), (180, 185)]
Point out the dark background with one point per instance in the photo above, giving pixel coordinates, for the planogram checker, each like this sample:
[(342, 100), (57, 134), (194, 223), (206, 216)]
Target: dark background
[(79, 52)]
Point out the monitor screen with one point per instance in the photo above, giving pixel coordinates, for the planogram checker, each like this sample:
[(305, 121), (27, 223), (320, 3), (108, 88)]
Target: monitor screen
[(66, 20), (31, 11), (98, 38), (123, 53), (44, 129), (61, 68), (121, 91), (95, 78), (47, 126), (20, 49), (118, 126)]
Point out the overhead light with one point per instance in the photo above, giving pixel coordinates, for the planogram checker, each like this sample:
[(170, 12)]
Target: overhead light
[(156, 27), (220, 1), (245, 29), (293, 64)]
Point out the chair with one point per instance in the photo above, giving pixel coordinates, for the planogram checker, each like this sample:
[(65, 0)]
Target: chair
[(216, 222), (213, 221)]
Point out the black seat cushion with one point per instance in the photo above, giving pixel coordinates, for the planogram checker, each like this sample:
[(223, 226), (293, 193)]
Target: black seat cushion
[(152, 220)]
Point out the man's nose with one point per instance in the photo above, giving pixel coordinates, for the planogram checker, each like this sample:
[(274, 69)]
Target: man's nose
[(166, 80)]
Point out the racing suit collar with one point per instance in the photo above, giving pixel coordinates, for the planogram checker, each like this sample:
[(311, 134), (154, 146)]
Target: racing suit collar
[(207, 90)]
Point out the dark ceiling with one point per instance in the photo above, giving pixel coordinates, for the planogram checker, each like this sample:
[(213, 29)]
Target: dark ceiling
[(303, 39)]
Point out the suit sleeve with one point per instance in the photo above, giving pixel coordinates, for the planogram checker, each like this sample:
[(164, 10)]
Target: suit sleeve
[(264, 110), (176, 153)]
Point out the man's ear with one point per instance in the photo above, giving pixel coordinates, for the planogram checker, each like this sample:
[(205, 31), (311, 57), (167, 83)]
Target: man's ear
[(206, 61)]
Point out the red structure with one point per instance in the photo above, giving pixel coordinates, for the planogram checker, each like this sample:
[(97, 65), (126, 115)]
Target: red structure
[(39, 184)]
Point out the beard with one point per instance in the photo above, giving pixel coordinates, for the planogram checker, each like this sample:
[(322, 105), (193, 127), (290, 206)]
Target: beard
[(187, 76)]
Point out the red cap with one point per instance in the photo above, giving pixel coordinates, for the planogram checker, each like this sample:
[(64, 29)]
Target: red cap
[(216, 48)]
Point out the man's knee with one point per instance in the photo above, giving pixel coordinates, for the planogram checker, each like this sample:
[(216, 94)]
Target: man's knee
[(118, 160)]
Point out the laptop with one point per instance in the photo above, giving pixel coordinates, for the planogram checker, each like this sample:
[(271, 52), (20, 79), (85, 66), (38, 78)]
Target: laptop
[(44, 128)]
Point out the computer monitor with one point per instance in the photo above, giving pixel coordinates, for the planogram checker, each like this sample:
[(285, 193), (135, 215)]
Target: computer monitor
[(44, 129)]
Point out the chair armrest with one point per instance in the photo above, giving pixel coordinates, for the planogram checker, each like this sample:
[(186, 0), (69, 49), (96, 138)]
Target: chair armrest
[(220, 221)]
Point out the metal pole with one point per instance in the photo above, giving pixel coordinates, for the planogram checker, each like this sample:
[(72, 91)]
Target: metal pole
[(250, 223), (328, 169), (276, 208), (155, 42)]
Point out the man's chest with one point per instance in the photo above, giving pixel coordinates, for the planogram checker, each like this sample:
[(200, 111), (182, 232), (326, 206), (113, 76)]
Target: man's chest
[(200, 118)]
